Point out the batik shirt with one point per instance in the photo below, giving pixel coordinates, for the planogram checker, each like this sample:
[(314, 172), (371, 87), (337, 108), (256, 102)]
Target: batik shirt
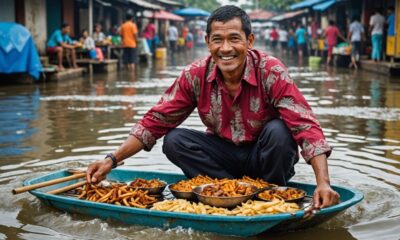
[(266, 92)]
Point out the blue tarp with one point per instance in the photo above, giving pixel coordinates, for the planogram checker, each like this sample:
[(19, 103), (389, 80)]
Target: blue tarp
[(192, 12), (17, 50), (323, 6), (305, 4)]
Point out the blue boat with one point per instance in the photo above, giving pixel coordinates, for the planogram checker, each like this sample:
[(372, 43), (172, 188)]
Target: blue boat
[(226, 225)]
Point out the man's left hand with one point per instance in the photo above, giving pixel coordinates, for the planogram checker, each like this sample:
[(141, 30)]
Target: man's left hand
[(325, 196)]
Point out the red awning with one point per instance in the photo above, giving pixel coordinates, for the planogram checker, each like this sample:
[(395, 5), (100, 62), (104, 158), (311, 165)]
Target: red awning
[(167, 16), (260, 14)]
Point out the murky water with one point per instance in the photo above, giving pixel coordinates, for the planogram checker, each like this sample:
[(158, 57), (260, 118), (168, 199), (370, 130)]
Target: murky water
[(53, 126)]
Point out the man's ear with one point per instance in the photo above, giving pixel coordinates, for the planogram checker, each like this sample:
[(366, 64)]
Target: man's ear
[(250, 40), (206, 39)]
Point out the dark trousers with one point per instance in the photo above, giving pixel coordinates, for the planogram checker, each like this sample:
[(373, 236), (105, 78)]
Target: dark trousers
[(271, 158)]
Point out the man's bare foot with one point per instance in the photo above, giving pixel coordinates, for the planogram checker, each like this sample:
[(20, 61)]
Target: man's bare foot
[(60, 68), (75, 66)]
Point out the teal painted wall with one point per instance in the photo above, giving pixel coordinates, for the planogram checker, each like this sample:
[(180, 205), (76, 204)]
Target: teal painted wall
[(54, 16)]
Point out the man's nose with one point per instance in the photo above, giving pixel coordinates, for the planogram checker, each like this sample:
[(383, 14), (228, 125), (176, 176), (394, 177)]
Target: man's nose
[(226, 46)]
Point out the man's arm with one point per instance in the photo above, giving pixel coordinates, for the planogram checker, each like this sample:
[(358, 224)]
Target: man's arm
[(324, 195), (98, 170)]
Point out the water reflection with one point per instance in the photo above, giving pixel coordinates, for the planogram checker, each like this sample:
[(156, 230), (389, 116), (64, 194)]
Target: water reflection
[(69, 124)]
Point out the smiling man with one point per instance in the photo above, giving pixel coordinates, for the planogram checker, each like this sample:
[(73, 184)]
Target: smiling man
[(254, 113)]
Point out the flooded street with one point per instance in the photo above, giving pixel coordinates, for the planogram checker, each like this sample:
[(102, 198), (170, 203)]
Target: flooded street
[(53, 126)]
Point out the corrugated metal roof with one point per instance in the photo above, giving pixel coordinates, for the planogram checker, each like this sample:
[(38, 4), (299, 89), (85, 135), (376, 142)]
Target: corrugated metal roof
[(146, 5), (170, 2)]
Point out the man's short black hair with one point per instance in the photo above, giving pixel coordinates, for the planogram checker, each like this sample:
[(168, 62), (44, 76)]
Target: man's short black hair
[(128, 16), (64, 25), (229, 12)]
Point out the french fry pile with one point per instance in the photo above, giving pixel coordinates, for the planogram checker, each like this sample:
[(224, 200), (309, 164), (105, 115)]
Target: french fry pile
[(282, 194), (227, 188), (143, 183), (188, 185), (259, 183), (117, 194), (249, 208)]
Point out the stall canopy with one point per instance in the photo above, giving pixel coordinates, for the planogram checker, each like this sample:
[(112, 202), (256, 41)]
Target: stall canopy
[(192, 12), (146, 5), (170, 2), (17, 50), (260, 14), (305, 4), (167, 16), (288, 15), (324, 6)]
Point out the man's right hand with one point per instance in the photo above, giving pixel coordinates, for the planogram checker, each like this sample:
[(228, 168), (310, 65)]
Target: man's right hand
[(98, 170)]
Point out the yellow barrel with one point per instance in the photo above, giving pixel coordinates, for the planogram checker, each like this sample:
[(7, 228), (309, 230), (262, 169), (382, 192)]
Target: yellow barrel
[(161, 53)]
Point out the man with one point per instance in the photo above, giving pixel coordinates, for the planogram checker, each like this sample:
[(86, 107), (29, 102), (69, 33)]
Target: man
[(331, 33), (301, 39), (172, 38), (355, 35), (241, 95), (129, 42), (59, 42), (376, 22)]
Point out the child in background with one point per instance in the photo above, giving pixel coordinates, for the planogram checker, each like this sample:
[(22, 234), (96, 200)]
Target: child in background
[(189, 40), (291, 42), (88, 44)]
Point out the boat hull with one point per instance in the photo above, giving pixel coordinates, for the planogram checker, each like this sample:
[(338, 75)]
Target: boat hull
[(226, 225)]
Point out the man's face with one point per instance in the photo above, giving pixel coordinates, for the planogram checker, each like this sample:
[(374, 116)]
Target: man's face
[(228, 46), (66, 30)]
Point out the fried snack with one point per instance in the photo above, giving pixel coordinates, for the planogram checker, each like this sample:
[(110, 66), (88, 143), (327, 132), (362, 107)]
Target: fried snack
[(259, 183), (249, 208), (189, 184), (143, 183), (227, 188), (181, 205), (117, 194), (285, 194)]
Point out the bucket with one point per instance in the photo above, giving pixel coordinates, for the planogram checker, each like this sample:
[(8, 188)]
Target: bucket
[(314, 61), (161, 53)]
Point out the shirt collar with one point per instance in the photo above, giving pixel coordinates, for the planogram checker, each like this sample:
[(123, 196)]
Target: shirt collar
[(249, 74)]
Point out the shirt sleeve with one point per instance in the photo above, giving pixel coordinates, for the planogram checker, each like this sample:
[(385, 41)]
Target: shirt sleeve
[(177, 103), (295, 112), (59, 38)]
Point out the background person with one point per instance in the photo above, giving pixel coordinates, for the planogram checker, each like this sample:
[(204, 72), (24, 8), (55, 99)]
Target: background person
[(376, 25), (355, 35), (331, 33), (60, 42), (128, 33)]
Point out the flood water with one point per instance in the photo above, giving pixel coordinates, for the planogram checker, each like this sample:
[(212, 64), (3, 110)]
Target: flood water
[(52, 126)]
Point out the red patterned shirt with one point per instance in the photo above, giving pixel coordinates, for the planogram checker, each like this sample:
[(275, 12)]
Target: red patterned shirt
[(266, 92)]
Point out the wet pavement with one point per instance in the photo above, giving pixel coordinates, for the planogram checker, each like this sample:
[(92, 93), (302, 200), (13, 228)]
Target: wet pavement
[(53, 126)]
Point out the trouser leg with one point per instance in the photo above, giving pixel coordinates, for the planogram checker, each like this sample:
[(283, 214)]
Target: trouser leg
[(200, 153), (274, 155)]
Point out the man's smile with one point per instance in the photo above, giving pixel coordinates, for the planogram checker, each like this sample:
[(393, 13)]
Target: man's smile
[(227, 58)]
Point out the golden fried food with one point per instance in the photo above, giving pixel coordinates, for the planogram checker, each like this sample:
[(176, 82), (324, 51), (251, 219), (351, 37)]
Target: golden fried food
[(117, 194), (189, 184), (249, 208), (227, 188), (259, 183), (285, 194), (143, 183)]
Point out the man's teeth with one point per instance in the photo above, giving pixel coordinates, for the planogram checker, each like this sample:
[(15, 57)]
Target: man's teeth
[(227, 58)]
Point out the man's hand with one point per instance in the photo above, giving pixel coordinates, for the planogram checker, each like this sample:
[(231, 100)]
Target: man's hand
[(98, 170), (325, 196)]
